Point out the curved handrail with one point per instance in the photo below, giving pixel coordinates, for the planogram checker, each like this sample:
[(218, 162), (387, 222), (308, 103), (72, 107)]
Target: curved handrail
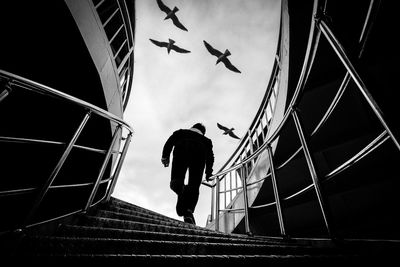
[(16, 81), (319, 13), (46, 90), (41, 141)]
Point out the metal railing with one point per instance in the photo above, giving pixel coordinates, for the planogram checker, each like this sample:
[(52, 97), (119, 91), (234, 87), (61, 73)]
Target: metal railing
[(241, 164), (114, 17), (122, 133)]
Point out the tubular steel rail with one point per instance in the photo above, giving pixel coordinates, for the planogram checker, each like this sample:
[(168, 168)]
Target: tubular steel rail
[(122, 132), (259, 139)]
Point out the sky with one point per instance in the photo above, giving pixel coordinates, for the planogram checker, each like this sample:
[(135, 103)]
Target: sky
[(174, 91)]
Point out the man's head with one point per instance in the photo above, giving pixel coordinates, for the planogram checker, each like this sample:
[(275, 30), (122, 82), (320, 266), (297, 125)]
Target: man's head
[(200, 127)]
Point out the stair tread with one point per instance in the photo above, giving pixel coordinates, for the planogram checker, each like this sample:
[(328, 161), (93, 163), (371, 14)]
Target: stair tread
[(129, 233), (117, 223), (42, 244), (118, 233), (141, 218), (194, 260)]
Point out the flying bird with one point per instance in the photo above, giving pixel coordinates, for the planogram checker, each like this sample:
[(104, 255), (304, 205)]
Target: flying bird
[(228, 131), (221, 57), (170, 46), (171, 14)]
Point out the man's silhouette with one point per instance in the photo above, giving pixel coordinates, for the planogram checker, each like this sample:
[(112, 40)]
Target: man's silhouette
[(194, 152)]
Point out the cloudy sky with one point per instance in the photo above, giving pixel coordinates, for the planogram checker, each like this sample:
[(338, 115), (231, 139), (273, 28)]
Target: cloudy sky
[(173, 91)]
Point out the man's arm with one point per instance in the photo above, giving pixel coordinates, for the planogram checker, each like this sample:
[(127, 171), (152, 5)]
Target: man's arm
[(169, 144)]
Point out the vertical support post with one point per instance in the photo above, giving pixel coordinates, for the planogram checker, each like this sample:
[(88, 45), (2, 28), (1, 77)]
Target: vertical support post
[(245, 199), (311, 167), (217, 205), (339, 50), (212, 201), (119, 166), (231, 187), (262, 129), (224, 194), (102, 169), (53, 175), (276, 192)]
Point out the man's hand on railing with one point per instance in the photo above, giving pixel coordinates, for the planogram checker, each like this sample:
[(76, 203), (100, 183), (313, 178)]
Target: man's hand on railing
[(208, 177), (165, 162)]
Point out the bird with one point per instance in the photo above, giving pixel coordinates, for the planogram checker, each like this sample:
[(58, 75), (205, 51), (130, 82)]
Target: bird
[(221, 57), (171, 14), (228, 131), (170, 45)]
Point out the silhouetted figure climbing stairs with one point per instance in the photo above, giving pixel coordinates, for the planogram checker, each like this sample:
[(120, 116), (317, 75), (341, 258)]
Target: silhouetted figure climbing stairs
[(118, 232)]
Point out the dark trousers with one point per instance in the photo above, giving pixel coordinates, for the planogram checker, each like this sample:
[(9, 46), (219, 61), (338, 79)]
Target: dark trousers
[(188, 194)]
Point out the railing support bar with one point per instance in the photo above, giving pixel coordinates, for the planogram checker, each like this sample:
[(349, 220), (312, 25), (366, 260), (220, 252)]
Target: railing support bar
[(245, 200), (313, 172), (56, 170), (212, 203), (339, 50), (217, 188), (102, 170), (276, 192), (119, 166)]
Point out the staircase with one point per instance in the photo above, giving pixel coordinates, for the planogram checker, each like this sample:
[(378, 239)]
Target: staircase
[(120, 233)]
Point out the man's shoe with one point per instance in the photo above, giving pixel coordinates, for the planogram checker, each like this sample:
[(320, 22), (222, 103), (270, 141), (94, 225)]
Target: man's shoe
[(188, 218)]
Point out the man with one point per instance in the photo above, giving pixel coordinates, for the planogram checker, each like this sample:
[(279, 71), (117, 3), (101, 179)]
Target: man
[(194, 152)]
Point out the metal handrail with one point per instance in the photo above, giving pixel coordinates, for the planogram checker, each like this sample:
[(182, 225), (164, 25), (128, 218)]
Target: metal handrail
[(46, 90), (41, 141), (370, 147), (16, 81), (319, 23)]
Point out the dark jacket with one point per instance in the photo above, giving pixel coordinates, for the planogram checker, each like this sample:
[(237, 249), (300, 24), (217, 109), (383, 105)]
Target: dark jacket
[(190, 145)]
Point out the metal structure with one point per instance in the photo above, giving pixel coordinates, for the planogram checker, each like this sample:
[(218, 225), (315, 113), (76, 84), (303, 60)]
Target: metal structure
[(63, 93), (122, 131), (283, 160)]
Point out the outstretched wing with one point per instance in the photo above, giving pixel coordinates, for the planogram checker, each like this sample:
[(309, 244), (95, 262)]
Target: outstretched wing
[(158, 43), (212, 50), (229, 65), (180, 50), (177, 23), (233, 135), (222, 127), (163, 7)]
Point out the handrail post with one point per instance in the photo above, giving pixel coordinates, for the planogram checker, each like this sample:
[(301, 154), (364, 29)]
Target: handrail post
[(339, 50), (313, 172), (119, 166), (245, 199), (56, 170), (276, 192), (102, 170), (212, 202), (217, 205)]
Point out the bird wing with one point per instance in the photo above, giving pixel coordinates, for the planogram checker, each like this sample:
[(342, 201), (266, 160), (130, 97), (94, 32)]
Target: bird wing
[(233, 135), (163, 7), (158, 43), (212, 50), (180, 50), (222, 127), (229, 65), (177, 23)]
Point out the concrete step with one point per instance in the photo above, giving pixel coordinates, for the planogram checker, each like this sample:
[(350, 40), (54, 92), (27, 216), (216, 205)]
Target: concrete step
[(42, 245), (190, 260), (98, 232)]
